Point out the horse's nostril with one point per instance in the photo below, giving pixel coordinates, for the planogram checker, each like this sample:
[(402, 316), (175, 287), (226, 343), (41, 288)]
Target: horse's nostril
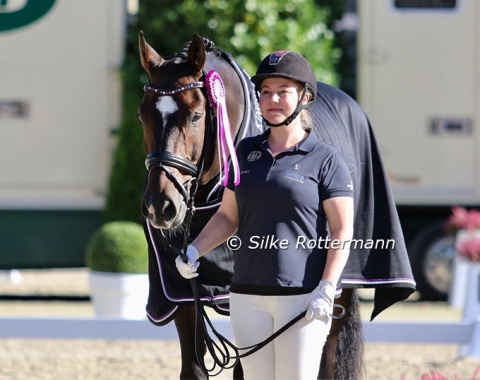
[(168, 210), (159, 211)]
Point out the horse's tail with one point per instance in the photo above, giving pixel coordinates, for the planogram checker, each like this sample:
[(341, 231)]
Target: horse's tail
[(349, 362)]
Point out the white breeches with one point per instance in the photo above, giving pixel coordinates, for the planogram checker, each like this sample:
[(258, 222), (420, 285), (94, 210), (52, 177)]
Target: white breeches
[(295, 354)]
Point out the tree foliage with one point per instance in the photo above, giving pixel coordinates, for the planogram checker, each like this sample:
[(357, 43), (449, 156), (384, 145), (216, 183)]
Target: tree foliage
[(248, 29)]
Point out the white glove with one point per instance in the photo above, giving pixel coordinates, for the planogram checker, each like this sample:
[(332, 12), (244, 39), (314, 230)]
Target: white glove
[(188, 269), (320, 301)]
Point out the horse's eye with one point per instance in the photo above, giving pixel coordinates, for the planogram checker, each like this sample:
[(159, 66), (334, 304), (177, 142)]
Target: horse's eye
[(196, 117)]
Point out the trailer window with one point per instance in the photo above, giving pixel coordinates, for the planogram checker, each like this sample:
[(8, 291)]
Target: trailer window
[(426, 4)]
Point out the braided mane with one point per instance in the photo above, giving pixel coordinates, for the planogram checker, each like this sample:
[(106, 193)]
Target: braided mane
[(209, 47)]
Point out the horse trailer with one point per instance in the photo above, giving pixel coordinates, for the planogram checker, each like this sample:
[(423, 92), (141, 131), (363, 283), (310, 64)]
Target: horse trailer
[(59, 101), (418, 79)]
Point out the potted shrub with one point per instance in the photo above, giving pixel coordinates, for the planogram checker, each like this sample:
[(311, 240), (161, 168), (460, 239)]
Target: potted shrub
[(117, 256)]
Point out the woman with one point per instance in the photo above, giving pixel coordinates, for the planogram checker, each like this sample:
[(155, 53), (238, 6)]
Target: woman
[(293, 189)]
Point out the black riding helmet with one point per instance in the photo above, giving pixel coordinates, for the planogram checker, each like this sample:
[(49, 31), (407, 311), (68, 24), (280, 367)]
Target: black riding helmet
[(290, 65)]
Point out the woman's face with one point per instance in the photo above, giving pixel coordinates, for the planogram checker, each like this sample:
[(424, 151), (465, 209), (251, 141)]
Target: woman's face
[(278, 99)]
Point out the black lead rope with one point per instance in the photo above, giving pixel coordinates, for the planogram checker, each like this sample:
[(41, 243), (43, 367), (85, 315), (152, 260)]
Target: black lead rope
[(225, 354)]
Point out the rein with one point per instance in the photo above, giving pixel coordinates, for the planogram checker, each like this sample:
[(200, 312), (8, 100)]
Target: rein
[(225, 354)]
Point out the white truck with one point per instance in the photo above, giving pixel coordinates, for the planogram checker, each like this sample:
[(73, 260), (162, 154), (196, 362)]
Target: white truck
[(419, 82), (59, 101)]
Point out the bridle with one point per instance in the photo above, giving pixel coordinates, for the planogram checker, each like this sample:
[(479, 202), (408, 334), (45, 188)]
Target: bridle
[(165, 160)]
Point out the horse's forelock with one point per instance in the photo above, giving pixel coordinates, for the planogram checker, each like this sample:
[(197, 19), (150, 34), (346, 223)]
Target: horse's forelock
[(171, 70)]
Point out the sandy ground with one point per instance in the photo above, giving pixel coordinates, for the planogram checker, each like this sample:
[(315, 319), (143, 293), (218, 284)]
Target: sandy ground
[(117, 359)]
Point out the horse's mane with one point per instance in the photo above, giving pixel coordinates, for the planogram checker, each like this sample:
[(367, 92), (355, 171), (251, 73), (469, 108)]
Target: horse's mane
[(209, 47)]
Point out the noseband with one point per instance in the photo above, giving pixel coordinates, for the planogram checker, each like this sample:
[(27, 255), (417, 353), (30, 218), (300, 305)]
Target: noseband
[(165, 160)]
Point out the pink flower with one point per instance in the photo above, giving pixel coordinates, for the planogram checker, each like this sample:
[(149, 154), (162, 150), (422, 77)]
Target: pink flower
[(469, 248), (433, 375), (476, 373), (462, 219), (436, 375)]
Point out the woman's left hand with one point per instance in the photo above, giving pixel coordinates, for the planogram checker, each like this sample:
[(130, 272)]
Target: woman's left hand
[(320, 301)]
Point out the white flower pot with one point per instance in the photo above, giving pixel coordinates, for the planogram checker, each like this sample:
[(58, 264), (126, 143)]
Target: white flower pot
[(460, 271), (122, 295), (458, 286), (471, 309)]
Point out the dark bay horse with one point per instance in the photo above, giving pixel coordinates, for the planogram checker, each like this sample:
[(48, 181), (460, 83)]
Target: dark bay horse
[(182, 183)]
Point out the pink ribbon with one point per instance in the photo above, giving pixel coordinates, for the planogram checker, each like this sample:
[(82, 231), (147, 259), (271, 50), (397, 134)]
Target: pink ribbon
[(216, 94)]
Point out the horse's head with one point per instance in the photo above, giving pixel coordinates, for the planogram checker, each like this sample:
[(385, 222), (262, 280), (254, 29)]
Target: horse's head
[(178, 135)]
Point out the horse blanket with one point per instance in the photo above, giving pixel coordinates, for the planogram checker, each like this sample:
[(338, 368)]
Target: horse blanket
[(378, 257)]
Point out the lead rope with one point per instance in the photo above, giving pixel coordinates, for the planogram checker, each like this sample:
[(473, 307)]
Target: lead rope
[(225, 354)]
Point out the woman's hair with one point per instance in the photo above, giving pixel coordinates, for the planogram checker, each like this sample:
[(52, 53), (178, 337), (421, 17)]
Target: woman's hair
[(306, 119)]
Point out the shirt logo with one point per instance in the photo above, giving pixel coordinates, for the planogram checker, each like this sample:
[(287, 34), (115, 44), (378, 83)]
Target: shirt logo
[(294, 176), (350, 185), (254, 156)]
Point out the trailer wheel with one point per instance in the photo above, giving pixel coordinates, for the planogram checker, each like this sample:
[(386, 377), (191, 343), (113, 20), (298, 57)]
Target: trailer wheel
[(431, 254)]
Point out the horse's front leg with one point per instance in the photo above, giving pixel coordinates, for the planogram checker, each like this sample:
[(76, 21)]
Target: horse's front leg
[(185, 324), (327, 364)]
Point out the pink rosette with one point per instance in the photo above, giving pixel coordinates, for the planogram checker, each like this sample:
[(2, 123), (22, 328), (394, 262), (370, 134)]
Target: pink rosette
[(217, 96)]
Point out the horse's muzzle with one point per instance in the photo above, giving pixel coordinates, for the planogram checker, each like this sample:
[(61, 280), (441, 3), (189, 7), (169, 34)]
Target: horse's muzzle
[(163, 214)]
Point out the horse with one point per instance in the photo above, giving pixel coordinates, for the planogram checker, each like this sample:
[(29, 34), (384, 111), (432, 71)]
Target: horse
[(182, 190)]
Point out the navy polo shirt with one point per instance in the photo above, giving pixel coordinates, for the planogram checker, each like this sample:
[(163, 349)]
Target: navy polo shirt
[(282, 224)]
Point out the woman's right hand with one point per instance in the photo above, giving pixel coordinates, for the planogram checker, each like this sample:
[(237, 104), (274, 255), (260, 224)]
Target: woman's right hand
[(188, 269)]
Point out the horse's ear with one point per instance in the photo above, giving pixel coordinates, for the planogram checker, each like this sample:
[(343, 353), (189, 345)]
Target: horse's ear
[(197, 53), (149, 57)]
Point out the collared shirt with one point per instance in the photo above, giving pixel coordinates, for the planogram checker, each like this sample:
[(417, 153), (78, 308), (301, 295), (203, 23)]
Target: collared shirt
[(282, 224)]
